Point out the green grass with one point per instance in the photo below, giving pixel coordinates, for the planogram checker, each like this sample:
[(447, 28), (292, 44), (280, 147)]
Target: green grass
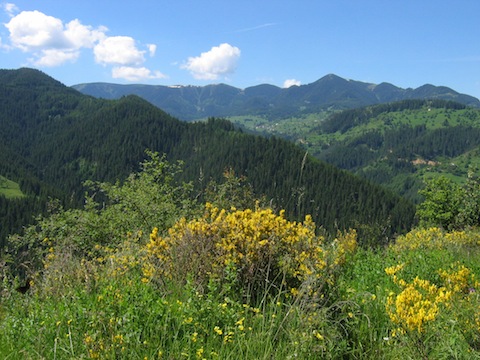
[(101, 308), (10, 189)]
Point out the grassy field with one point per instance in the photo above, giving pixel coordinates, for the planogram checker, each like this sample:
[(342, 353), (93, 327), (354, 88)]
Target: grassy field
[(9, 189)]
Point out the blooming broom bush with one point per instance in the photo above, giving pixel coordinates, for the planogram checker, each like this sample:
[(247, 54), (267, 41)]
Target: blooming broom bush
[(264, 250), (417, 304), (436, 238), (436, 295)]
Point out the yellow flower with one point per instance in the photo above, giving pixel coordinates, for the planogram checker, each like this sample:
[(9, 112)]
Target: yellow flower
[(88, 339), (248, 241), (200, 352), (318, 335), (416, 305), (218, 330), (188, 320)]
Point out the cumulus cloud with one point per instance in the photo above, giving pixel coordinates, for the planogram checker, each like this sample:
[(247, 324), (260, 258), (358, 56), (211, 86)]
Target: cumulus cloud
[(135, 73), (80, 35), (220, 60), (53, 42), (55, 57), (120, 50), (32, 30), (291, 82)]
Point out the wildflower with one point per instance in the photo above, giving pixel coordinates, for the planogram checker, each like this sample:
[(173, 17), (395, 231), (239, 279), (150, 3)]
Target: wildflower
[(218, 330), (88, 339), (118, 338), (392, 270), (416, 305), (228, 337), (200, 352)]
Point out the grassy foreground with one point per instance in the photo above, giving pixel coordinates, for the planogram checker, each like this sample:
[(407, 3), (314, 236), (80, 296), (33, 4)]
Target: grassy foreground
[(416, 299)]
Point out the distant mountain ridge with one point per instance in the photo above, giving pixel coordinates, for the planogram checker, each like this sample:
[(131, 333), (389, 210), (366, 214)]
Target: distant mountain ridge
[(331, 91)]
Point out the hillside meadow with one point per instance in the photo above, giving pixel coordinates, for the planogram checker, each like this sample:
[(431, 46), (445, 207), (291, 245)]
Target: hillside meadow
[(145, 272)]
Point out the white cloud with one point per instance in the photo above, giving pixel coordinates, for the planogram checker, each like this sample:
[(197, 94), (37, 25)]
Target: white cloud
[(120, 50), (220, 60), (152, 48), (55, 57), (32, 30), (10, 9), (53, 42), (291, 82), (83, 36), (135, 74)]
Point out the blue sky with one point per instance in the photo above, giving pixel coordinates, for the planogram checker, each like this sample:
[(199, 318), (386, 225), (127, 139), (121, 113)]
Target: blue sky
[(244, 43)]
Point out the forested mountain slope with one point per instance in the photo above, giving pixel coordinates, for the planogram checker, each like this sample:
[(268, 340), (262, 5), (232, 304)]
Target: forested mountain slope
[(399, 144), (329, 92), (53, 138)]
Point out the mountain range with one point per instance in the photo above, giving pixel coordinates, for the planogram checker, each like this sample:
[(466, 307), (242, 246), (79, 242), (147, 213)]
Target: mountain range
[(221, 100)]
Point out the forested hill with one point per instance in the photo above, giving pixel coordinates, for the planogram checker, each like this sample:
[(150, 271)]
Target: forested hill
[(52, 138), (400, 144), (329, 92)]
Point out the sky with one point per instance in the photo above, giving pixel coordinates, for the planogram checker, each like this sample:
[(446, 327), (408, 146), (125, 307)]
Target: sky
[(245, 43)]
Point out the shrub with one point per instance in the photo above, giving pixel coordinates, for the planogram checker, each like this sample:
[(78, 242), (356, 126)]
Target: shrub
[(265, 250)]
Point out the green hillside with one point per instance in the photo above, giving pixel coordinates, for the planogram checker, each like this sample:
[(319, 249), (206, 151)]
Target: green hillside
[(58, 138), (401, 144), (397, 144)]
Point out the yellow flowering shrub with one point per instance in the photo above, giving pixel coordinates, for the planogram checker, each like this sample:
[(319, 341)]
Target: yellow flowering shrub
[(263, 248), (435, 238), (417, 304), (459, 279), (421, 308)]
